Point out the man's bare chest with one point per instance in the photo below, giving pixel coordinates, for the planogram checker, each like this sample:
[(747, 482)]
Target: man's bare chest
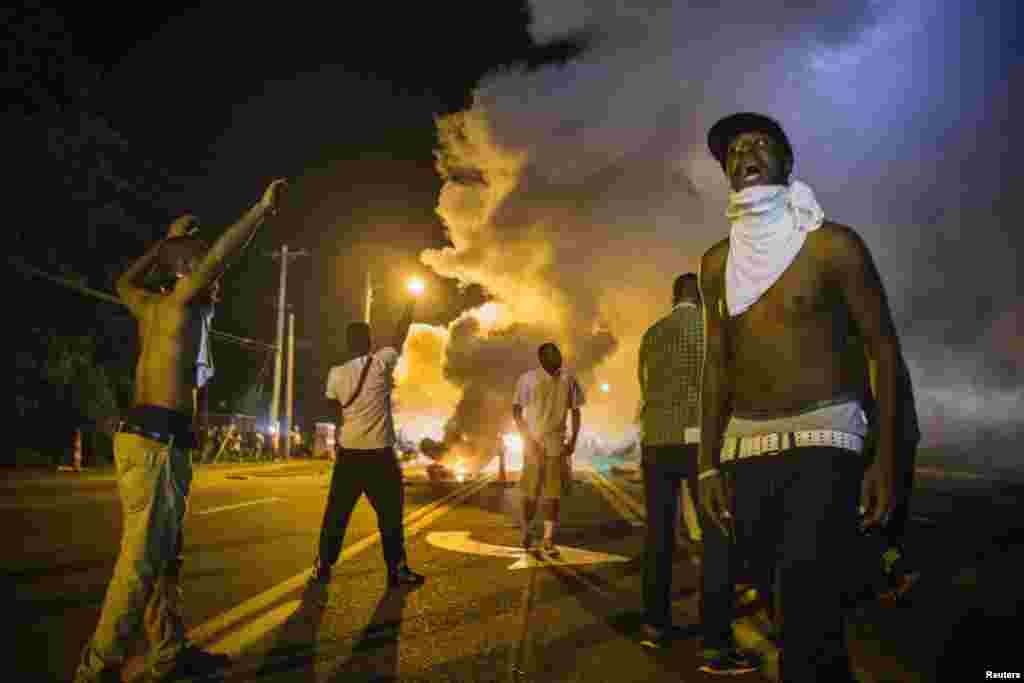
[(804, 295)]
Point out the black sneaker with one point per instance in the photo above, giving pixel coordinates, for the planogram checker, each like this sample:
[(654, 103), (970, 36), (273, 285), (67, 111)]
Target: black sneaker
[(899, 577), (403, 576), (746, 595), (730, 662), (653, 636), (192, 662)]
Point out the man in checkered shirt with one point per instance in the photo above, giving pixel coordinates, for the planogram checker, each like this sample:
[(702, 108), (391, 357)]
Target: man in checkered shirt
[(671, 354)]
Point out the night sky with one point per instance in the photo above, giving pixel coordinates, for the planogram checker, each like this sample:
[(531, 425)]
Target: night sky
[(898, 112), (342, 102)]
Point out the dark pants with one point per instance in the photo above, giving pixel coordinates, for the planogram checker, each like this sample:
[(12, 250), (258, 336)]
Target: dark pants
[(377, 474), (896, 529), (796, 525), (720, 566), (665, 467)]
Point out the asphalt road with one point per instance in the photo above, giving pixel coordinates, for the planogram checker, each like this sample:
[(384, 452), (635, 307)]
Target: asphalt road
[(485, 614)]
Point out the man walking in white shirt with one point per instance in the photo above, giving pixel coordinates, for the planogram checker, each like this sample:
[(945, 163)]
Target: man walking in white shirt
[(365, 459), (544, 397)]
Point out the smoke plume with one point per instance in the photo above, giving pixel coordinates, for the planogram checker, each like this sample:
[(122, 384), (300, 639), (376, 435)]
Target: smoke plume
[(574, 193)]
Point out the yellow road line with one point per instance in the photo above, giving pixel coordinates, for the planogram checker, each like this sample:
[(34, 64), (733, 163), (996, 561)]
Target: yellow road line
[(614, 498), (622, 500), (419, 519), (235, 641), (623, 507), (637, 507)]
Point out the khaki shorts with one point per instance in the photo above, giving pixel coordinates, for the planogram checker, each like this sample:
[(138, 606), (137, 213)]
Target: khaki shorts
[(546, 476)]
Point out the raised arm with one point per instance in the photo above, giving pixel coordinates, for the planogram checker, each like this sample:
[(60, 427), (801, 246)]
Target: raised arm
[(213, 264), (854, 271)]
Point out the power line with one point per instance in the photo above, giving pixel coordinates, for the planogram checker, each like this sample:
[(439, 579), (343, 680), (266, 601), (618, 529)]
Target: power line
[(110, 298)]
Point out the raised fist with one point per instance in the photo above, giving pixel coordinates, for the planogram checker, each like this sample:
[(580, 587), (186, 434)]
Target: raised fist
[(273, 194)]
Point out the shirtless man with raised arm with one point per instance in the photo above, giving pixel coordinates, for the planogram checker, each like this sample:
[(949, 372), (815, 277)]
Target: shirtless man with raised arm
[(780, 461), (169, 291)]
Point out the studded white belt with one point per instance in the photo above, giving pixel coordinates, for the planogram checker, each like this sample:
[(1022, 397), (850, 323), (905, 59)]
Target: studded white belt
[(737, 448)]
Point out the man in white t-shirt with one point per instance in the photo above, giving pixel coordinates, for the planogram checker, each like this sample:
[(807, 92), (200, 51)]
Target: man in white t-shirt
[(544, 397), (365, 461)]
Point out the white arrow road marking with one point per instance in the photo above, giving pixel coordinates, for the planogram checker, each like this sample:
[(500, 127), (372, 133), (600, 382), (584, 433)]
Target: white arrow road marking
[(459, 541)]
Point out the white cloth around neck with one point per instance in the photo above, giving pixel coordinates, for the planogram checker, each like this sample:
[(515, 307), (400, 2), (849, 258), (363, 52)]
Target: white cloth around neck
[(769, 226)]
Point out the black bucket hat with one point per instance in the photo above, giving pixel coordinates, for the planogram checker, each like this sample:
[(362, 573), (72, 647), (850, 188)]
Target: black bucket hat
[(722, 133)]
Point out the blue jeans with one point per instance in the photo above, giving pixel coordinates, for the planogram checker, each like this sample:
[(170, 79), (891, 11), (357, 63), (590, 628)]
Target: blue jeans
[(143, 596)]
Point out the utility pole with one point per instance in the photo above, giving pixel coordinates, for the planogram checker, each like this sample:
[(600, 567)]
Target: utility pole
[(275, 399), (369, 296), (290, 387)]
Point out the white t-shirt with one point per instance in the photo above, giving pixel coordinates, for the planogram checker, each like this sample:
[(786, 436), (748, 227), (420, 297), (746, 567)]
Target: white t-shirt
[(367, 423), (546, 401)]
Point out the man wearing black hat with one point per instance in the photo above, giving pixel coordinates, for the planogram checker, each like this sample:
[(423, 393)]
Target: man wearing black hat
[(782, 419)]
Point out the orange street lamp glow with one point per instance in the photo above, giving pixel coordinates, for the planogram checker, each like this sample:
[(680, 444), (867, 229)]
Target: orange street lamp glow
[(416, 286)]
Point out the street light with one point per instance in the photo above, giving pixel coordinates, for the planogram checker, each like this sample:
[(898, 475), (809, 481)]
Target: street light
[(416, 286), (605, 387)]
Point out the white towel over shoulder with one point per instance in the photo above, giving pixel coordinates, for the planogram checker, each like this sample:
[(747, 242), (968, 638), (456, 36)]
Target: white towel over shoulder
[(769, 226)]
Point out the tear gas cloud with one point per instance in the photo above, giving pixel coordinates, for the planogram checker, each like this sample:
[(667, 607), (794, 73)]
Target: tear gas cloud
[(575, 193)]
